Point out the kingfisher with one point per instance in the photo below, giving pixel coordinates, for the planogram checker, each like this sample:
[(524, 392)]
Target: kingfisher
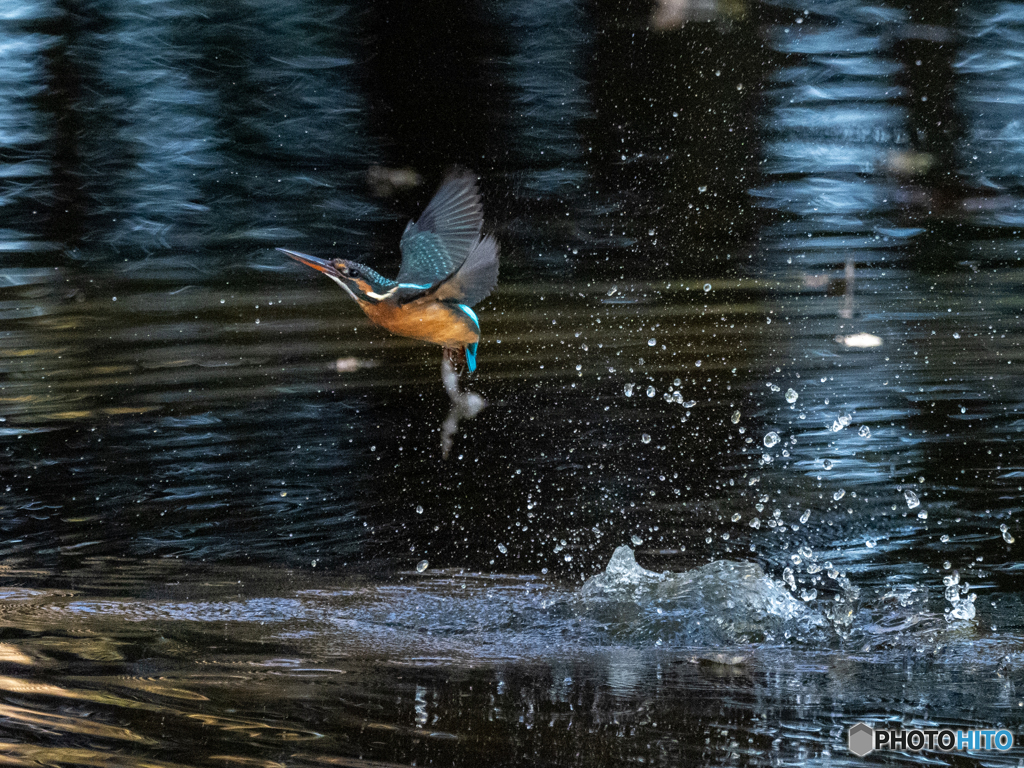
[(447, 267)]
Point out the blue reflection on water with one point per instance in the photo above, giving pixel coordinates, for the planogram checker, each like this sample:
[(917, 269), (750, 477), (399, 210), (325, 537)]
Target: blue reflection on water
[(833, 119), (25, 183), (546, 69), (991, 65)]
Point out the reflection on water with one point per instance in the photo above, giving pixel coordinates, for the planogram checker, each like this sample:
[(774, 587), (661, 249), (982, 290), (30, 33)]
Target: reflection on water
[(446, 667), (760, 322)]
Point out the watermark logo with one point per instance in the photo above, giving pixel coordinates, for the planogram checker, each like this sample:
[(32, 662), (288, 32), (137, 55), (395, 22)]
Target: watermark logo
[(863, 739)]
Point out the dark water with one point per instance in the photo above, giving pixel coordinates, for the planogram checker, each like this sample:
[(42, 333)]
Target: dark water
[(759, 320)]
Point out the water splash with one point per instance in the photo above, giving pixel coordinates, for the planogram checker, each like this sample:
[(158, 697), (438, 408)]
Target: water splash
[(723, 602)]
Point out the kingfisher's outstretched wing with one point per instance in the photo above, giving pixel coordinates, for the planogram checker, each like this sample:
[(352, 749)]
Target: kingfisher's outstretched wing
[(476, 278), (445, 235)]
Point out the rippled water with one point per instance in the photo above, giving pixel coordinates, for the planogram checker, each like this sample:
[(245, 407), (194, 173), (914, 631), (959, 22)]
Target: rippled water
[(758, 327)]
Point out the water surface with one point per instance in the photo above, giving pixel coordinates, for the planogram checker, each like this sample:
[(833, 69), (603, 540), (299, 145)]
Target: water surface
[(759, 321)]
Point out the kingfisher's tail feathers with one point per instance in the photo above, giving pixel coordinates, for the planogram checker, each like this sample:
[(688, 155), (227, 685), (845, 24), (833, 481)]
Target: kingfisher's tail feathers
[(476, 278), (443, 237), (471, 357)]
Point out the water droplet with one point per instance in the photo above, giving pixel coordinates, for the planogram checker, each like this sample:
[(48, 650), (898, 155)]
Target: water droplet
[(637, 541), (689, 403), (754, 523), (645, 438), (922, 515), (707, 287), (651, 342), (791, 395), (806, 553), (419, 510), (697, 363), (737, 517), (805, 517), (651, 391), (827, 464), (864, 432), (870, 543), (838, 495), (787, 576), (912, 499), (422, 565), (1007, 536), (771, 439), (627, 390), (736, 416)]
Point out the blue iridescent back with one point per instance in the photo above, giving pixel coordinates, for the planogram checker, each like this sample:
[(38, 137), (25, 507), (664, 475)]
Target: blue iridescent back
[(378, 281)]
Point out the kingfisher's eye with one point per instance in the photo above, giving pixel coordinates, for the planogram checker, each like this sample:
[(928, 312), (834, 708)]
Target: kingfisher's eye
[(352, 272)]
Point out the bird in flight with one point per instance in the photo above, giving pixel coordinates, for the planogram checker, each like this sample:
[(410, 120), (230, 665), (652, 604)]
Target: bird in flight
[(448, 265)]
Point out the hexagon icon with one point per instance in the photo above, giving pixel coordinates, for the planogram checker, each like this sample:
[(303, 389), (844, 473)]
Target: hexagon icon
[(861, 738)]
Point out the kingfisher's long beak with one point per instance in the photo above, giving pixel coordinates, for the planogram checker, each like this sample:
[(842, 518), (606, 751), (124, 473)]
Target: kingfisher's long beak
[(320, 265)]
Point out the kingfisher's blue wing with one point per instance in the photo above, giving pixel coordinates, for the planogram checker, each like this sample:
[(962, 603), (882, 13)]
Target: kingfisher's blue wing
[(476, 278), (438, 244)]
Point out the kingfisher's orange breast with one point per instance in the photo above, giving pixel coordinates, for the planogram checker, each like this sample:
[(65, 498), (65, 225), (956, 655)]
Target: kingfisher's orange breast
[(430, 321)]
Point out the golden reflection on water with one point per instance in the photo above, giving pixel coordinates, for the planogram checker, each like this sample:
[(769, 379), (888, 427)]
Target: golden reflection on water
[(70, 725), (11, 655)]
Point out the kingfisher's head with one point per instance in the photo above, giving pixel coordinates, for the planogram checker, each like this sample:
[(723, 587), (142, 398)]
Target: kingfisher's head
[(358, 280)]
